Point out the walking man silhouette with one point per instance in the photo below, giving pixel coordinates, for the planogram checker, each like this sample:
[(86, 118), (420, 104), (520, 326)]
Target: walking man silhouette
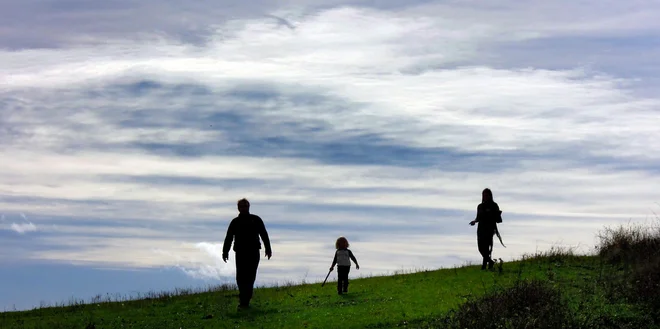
[(244, 231)]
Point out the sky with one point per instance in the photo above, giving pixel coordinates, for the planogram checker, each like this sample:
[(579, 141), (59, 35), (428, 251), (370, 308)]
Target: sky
[(129, 130)]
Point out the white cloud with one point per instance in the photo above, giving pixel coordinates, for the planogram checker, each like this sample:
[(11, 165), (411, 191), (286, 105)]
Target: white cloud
[(390, 74), (23, 228), (207, 266), (522, 188), (332, 52)]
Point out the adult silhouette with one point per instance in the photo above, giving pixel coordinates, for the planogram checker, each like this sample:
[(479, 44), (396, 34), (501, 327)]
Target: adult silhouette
[(488, 215), (244, 231)]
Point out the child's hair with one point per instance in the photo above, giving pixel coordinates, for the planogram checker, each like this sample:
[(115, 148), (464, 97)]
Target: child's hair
[(341, 243)]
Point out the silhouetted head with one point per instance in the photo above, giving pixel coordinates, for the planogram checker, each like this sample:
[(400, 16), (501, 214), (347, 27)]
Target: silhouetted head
[(341, 243), (243, 206), (486, 195)]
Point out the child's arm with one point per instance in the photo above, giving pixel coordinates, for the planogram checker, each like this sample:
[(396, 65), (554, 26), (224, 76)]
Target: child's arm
[(350, 254), (334, 261)]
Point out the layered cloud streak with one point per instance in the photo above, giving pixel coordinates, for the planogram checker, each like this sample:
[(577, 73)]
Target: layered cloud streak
[(321, 122)]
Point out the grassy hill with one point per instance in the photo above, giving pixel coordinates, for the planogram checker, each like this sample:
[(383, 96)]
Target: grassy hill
[(616, 288)]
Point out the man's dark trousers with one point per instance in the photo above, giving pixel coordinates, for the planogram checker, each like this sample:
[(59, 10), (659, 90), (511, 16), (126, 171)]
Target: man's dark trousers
[(247, 263)]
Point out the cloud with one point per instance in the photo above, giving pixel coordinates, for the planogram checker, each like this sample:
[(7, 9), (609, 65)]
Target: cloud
[(360, 121), (205, 264), (75, 21), (441, 109), (23, 228), (20, 228)]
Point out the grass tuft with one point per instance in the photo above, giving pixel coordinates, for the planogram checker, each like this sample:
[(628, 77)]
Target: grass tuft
[(528, 304)]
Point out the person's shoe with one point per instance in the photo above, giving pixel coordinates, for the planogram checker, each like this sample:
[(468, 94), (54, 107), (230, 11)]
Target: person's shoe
[(243, 307)]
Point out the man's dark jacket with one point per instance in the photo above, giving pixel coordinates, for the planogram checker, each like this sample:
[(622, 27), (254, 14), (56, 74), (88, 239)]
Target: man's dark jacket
[(245, 231)]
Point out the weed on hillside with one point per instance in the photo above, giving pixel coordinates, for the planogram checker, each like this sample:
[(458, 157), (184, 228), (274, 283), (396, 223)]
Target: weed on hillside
[(633, 252)]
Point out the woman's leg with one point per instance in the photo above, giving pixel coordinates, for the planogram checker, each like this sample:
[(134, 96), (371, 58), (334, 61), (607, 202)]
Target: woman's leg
[(484, 250)]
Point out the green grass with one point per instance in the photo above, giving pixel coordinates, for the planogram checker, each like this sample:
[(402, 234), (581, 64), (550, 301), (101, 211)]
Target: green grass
[(425, 299)]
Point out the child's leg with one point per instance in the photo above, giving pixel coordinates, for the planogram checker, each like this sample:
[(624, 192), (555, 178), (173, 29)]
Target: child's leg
[(342, 283)]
